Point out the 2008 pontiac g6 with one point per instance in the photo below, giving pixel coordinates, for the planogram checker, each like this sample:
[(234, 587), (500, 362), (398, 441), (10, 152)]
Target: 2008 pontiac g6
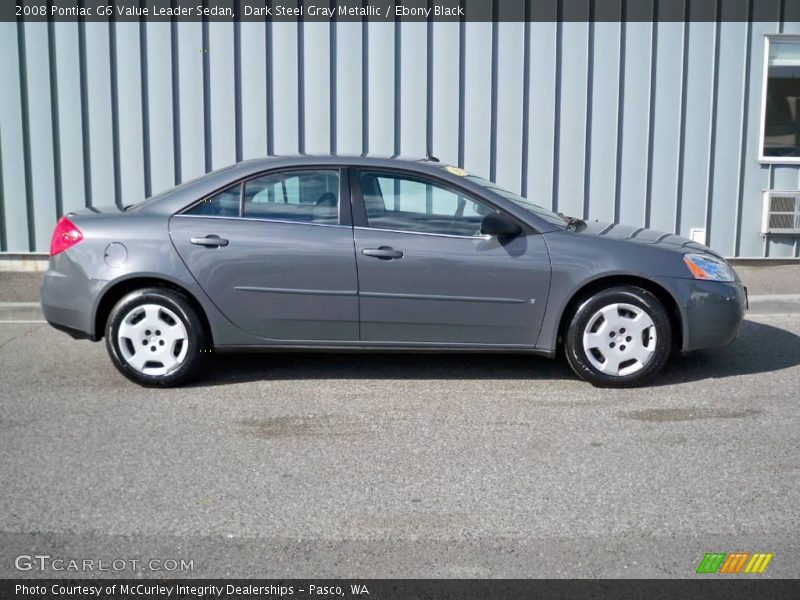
[(328, 253)]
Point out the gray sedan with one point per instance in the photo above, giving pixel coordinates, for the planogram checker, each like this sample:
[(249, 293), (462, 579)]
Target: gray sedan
[(335, 253)]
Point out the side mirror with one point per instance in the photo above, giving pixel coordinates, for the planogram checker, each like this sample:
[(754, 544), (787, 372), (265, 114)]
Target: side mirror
[(498, 225)]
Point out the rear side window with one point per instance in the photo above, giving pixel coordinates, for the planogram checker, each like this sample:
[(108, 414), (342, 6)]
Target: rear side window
[(222, 204), (302, 196)]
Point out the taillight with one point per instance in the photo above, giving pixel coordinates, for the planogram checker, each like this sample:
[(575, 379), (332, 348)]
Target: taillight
[(65, 235)]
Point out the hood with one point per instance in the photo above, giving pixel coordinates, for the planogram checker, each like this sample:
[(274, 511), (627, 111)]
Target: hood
[(640, 235)]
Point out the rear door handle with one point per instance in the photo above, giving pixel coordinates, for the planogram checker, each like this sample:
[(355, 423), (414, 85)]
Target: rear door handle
[(382, 253), (210, 241)]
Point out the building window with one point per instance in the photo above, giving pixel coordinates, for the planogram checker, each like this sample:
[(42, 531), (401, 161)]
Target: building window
[(781, 110)]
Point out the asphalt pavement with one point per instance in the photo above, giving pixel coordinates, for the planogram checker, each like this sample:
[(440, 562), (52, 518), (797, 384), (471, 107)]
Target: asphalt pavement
[(348, 465)]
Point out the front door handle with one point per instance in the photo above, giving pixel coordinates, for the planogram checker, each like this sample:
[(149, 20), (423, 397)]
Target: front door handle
[(382, 253), (210, 241)]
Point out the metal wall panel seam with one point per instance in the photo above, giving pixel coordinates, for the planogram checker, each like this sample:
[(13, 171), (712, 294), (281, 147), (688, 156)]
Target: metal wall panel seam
[(737, 234), (462, 67), (587, 141), (648, 192), (332, 78), (84, 88), (557, 113), (54, 119), (176, 101), (237, 90), (145, 95), (712, 135), (620, 114), (3, 238), (398, 58), (682, 125), (526, 83), (429, 86), (301, 85), (493, 98), (26, 134), (364, 86), (206, 96), (269, 92)]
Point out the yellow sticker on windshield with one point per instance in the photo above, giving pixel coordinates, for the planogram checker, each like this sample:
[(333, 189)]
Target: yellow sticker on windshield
[(456, 171)]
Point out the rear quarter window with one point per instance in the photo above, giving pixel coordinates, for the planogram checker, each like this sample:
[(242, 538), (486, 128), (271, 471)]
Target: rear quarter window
[(222, 204)]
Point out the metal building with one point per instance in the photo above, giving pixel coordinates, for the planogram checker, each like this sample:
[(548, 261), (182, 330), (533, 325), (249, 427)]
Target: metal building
[(653, 124)]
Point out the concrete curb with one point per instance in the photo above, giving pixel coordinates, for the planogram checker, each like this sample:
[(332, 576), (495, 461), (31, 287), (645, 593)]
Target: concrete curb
[(21, 311), (773, 304)]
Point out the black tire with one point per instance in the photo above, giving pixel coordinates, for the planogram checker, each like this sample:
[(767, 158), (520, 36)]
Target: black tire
[(178, 306), (587, 310)]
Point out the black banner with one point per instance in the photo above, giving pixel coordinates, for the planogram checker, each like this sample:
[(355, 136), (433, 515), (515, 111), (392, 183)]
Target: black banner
[(397, 589), (404, 10)]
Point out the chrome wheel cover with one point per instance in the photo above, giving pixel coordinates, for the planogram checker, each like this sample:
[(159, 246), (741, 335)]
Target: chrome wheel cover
[(620, 339), (153, 340)]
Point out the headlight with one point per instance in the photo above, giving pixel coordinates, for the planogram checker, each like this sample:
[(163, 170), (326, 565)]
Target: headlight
[(704, 266)]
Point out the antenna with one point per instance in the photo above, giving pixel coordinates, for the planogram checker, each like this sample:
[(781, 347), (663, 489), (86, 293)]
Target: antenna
[(429, 156)]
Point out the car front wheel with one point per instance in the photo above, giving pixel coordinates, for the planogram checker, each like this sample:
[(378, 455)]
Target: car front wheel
[(619, 337), (154, 337)]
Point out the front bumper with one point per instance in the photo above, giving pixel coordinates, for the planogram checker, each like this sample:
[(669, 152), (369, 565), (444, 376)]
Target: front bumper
[(711, 311)]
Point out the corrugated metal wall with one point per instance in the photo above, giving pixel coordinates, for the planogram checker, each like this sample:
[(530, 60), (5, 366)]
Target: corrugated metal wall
[(649, 124)]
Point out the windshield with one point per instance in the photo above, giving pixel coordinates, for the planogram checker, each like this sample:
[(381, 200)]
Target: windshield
[(542, 213)]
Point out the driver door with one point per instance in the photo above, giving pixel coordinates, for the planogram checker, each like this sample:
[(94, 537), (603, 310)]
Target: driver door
[(427, 275)]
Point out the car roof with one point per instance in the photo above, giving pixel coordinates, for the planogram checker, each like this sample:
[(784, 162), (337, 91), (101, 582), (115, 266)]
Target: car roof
[(356, 160), (344, 158), (179, 197), (172, 199)]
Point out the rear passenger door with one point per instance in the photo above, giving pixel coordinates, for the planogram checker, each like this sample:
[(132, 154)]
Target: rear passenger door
[(275, 254)]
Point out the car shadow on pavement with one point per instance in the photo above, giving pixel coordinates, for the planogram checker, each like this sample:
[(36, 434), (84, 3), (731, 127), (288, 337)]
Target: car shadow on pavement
[(241, 368), (760, 348)]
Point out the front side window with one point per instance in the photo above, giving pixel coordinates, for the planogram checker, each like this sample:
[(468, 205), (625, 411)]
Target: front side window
[(304, 196), (782, 99), (402, 203)]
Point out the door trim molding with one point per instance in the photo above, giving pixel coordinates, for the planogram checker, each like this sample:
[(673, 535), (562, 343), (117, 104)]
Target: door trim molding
[(448, 298), (253, 288)]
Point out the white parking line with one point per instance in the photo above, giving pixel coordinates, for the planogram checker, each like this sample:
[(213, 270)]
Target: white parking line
[(19, 322)]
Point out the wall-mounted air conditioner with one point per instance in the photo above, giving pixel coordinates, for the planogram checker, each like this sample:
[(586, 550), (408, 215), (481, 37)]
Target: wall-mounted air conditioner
[(781, 213)]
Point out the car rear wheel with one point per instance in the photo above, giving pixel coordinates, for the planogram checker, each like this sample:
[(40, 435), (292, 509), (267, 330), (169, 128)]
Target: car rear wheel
[(154, 337), (619, 337)]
